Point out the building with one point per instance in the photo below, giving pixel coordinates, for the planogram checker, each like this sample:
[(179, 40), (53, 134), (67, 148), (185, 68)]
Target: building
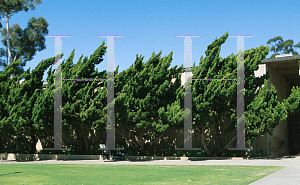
[(284, 73)]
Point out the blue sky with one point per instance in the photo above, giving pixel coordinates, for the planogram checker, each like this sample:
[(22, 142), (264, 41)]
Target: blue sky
[(149, 26)]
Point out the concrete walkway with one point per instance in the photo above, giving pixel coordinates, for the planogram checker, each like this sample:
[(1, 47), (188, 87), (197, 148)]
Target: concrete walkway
[(286, 176)]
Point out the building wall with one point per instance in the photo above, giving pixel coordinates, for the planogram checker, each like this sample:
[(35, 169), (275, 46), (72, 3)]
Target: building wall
[(276, 145)]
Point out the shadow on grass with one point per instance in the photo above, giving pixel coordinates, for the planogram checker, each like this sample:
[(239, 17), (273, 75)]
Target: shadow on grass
[(9, 173)]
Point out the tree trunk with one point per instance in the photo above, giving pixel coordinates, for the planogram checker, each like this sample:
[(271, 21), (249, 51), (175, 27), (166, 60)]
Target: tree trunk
[(79, 138), (207, 150), (1, 145), (15, 140), (142, 146), (83, 142), (217, 137), (8, 44), (86, 140), (129, 140), (32, 145), (142, 150)]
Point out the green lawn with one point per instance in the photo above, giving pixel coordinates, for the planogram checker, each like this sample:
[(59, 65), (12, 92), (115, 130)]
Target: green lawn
[(130, 174)]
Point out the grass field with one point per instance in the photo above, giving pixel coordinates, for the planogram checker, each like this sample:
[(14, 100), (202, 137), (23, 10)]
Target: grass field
[(130, 174)]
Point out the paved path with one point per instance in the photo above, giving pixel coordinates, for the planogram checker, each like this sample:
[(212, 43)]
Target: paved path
[(286, 176)]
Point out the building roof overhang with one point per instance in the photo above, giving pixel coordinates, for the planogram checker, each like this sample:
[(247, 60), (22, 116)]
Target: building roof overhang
[(280, 59), (287, 66)]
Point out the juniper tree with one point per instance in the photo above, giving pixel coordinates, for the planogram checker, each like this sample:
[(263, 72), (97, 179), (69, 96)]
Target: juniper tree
[(5, 90), (214, 100), (145, 101), (18, 101), (82, 106)]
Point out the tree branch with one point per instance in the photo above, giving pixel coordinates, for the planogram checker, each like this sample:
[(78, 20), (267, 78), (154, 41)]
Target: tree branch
[(14, 58), (129, 141), (61, 141), (156, 139), (137, 139), (227, 146), (15, 141)]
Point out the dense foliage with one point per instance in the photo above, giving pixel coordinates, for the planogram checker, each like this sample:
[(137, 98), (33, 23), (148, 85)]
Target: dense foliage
[(147, 102)]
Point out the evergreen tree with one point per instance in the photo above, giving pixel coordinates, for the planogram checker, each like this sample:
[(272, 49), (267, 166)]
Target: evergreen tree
[(214, 100), (145, 101), (18, 101), (82, 106)]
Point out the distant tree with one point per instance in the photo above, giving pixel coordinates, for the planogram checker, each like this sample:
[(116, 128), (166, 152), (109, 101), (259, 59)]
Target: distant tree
[(20, 42), (286, 47)]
